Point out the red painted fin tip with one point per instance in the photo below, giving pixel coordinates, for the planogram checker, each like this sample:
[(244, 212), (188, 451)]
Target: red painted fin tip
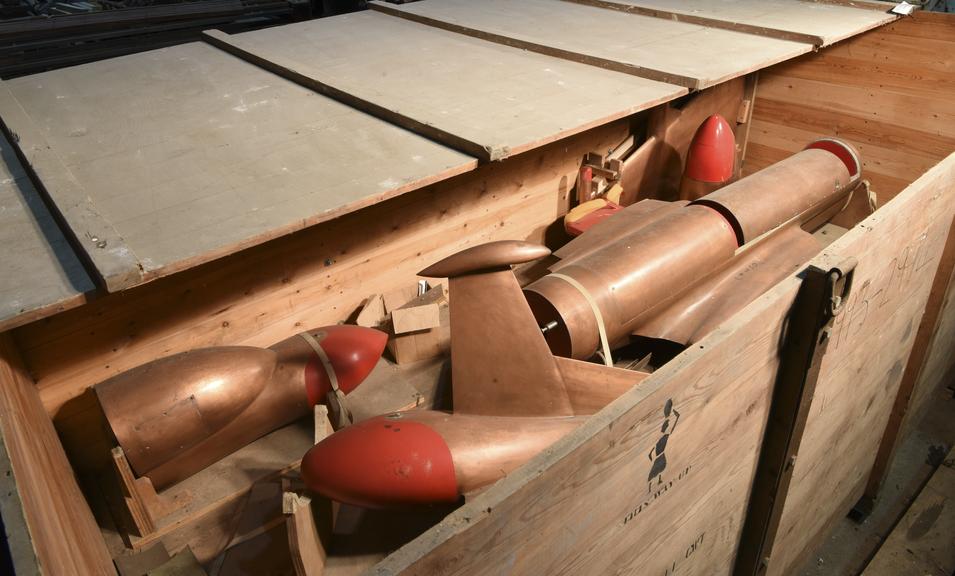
[(384, 462), (712, 153), (352, 352)]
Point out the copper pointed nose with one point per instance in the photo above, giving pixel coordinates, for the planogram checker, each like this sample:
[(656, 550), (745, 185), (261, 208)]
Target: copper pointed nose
[(490, 256), (384, 462), (712, 153)]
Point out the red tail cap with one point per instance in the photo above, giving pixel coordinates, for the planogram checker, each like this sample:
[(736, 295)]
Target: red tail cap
[(384, 462), (352, 352), (712, 154)]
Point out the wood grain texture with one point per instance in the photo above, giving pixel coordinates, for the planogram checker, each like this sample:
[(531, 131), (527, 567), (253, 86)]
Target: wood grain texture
[(488, 100), (65, 538), (819, 23), (898, 249), (40, 274), (679, 53), (922, 542), (318, 276), (888, 92), (189, 154)]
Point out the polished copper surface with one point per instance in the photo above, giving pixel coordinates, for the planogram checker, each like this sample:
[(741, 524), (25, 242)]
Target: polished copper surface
[(177, 415), (647, 269), (798, 187), (512, 399), (180, 401), (484, 449), (500, 362), (629, 277), (753, 270), (493, 255)]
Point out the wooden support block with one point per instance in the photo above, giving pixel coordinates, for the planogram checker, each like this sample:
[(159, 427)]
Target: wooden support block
[(372, 312), (414, 318), (422, 345), (137, 492), (398, 298), (323, 426), (304, 535)]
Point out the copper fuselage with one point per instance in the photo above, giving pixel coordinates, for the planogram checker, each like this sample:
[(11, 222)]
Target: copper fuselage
[(632, 278), (177, 415), (426, 457)]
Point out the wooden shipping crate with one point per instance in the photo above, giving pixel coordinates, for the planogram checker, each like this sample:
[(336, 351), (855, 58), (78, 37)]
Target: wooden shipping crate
[(588, 504)]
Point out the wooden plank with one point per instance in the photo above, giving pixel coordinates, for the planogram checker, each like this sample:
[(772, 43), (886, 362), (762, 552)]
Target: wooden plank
[(906, 401), (488, 100), (40, 274), (224, 156), (922, 542), (65, 538), (679, 53), (317, 277), (870, 344), (816, 23)]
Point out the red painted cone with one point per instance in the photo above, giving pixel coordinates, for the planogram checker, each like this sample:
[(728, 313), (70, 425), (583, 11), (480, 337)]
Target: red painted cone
[(711, 160), (382, 463), (352, 352)]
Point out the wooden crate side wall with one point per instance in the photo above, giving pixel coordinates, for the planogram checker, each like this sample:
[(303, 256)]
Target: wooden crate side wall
[(588, 504), (583, 506), (898, 250), (51, 528), (888, 92), (311, 278)]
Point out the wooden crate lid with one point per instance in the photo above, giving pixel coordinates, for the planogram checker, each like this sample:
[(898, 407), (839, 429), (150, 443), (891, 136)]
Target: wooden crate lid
[(686, 54), (487, 100), (817, 23), (40, 274), (164, 160)]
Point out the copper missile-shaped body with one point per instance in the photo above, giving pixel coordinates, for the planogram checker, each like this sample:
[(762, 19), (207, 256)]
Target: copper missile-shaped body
[(425, 457), (177, 415), (632, 279)]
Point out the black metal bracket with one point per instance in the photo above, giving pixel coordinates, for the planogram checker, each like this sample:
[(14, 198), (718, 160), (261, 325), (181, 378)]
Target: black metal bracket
[(820, 300)]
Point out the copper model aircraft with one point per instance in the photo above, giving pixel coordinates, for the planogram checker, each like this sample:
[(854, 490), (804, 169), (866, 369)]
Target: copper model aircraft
[(177, 415), (674, 270), (669, 270), (512, 398)]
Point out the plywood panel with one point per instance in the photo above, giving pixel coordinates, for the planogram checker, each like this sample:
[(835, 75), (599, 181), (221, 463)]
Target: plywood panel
[(186, 154), (680, 53), (40, 274), (489, 100), (818, 23)]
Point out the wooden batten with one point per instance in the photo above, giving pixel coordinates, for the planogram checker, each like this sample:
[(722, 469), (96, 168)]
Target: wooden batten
[(63, 537)]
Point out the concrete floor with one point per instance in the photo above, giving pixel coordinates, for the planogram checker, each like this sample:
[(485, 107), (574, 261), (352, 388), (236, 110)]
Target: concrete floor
[(851, 545)]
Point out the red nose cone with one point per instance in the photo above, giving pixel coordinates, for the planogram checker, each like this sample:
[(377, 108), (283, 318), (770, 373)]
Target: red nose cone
[(712, 153), (384, 462), (352, 353)]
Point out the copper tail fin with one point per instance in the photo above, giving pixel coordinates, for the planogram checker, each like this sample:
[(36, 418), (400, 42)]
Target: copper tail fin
[(500, 363)]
